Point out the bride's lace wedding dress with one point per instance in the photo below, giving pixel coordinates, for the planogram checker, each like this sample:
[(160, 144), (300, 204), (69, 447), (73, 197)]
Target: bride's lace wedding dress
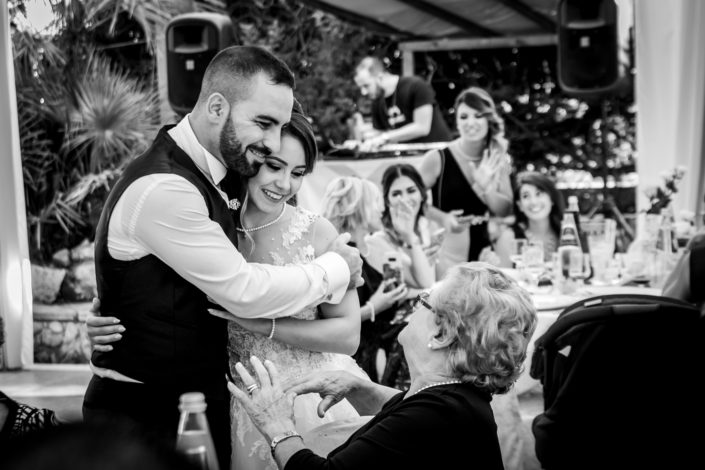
[(286, 242)]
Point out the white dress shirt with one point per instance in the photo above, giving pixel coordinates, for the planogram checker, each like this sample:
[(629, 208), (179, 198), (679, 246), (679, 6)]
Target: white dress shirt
[(165, 215)]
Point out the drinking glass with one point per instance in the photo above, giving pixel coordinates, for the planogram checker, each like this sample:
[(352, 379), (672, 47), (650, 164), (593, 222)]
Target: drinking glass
[(517, 254), (601, 255), (534, 265), (613, 271)]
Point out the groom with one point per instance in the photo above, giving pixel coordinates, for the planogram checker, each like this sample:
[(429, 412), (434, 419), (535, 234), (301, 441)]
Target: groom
[(165, 249)]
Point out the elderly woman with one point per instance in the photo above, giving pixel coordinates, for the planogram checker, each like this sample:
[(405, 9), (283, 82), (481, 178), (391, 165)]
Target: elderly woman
[(466, 340)]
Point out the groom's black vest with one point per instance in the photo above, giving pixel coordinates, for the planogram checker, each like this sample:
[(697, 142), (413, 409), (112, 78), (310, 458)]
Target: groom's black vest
[(170, 338)]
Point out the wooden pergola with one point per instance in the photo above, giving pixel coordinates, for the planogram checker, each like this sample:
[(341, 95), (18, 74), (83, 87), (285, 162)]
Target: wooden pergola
[(424, 25)]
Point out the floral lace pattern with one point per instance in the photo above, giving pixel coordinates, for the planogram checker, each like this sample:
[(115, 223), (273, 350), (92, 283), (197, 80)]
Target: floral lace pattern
[(289, 242)]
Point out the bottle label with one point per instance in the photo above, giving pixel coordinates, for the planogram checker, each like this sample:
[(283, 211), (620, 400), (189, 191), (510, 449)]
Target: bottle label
[(569, 236)]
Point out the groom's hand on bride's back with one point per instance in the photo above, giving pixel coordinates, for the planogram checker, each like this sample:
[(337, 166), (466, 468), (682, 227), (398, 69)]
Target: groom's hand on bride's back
[(351, 255), (102, 330)]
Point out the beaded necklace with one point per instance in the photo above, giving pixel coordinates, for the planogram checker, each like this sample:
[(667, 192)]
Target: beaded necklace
[(436, 384)]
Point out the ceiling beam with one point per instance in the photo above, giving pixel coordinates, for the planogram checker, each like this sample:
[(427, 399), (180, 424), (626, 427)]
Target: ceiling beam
[(453, 44), (526, 11), (470, 27), (369, 23)]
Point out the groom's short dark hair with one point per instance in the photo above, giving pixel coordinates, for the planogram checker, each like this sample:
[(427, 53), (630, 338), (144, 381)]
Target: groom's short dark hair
[(230, 71)]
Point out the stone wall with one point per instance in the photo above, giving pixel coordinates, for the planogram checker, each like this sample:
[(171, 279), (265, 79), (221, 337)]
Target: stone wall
[(60, 333), (62, 293)]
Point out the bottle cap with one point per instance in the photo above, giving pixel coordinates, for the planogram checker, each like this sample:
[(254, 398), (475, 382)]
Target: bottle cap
[(192, 401)]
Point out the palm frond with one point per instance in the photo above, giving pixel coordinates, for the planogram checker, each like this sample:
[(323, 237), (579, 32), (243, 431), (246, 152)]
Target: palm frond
[(115, 116), (88, 184)]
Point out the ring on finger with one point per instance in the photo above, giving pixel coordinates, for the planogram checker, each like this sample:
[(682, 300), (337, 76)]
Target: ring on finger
[(251, 388)]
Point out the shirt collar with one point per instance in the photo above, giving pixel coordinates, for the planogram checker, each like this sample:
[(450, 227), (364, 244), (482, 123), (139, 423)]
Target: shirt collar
[(186, 139)]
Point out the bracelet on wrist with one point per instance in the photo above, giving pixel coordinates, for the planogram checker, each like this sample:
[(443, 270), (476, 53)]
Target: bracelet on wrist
[(276, 440), (372, 311), (416, 241), (274, 327)]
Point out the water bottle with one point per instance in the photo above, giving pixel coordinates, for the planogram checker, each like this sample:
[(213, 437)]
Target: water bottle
[(570, 253), (193, 438)]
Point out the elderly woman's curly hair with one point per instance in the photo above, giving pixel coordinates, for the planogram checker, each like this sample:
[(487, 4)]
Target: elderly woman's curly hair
[(351, 202), (490, 320)]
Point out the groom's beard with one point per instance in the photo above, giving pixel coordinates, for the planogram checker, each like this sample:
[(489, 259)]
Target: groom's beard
[(234, 155)]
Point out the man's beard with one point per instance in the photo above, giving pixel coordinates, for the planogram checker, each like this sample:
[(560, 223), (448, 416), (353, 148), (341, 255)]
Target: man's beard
[(234, 155)]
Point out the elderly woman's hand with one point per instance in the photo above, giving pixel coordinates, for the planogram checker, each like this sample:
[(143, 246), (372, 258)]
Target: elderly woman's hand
[(270, 408), (332, 386)]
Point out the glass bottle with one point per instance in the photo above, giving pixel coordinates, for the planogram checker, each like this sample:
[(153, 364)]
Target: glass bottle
[(574, 209), (570, 253), (193, 437)]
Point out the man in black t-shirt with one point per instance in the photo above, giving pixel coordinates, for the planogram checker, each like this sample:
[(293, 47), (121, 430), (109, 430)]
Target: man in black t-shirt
[(404, 109)]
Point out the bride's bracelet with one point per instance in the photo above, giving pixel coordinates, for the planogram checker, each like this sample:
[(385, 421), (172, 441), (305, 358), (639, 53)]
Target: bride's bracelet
[(274, 327)]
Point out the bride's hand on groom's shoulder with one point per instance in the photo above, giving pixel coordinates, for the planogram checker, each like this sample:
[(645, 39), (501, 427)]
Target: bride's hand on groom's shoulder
[(351, 255)]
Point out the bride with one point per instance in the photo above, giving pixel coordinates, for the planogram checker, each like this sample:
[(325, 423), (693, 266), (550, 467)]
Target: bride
[(273, 231), (317, 338)]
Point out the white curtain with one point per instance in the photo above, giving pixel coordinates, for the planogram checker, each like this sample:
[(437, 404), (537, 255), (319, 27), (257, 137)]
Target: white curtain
[(15, 282), (670, 95)]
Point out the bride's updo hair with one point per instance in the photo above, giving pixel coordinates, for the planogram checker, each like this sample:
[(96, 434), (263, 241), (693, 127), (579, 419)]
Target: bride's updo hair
[(351, 202)]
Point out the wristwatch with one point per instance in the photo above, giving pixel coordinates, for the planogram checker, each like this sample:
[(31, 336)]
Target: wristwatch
[(282, 437)]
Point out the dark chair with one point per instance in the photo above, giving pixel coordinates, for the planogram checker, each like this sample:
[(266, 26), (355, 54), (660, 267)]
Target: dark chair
[(621, 379)]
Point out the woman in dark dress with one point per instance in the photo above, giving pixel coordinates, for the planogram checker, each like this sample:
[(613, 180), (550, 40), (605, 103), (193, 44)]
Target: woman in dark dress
[(465, 341), (469, 179)]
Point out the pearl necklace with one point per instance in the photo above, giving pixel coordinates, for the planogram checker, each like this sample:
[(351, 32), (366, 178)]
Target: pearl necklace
[(260, 227), (436, 384)]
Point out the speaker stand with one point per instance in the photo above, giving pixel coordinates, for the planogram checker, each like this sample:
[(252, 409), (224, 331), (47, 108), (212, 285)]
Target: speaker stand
[(605, 200)]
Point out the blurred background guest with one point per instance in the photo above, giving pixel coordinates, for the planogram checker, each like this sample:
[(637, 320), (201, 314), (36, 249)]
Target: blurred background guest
[(465, 341), (120, 445), (688, 274), (470, 179), (354, 205), (18, 419), (538, 211), (405, 234)]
